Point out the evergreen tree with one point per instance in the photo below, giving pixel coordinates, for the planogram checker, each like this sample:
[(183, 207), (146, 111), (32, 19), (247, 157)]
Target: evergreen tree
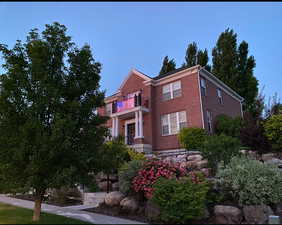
[(203, 59), (195, 57), (191, 55), (49, 131), (225, 58), (168, 65), (234, 67)]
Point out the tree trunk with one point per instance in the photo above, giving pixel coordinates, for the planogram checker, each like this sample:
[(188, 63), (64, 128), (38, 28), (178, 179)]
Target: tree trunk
[(37, 206)]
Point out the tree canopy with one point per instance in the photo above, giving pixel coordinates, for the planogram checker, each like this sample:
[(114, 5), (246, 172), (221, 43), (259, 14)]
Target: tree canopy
[(49, 131), (168, 65), (234, 67)]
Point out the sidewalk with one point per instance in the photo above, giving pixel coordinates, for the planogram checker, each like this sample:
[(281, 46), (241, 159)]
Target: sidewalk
[(72, 212)]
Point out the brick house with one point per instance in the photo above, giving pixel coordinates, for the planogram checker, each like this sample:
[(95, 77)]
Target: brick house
[(149, 112)]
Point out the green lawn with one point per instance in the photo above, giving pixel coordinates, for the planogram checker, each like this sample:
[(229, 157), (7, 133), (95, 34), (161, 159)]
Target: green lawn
[(15, 215)]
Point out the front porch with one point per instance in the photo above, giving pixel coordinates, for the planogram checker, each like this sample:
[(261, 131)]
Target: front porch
[(130, 124)]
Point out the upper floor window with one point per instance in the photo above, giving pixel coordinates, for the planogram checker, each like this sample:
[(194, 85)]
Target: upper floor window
[(173, 122), (108, 109), (209, 120), (219, 96), (172, 90), (203, 87)]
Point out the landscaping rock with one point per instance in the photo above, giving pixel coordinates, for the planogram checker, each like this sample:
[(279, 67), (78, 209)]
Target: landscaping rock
[(129, 204), (115, 186), (227, 214), (152, 211), (103, 185), (113, 177), (275, 161), (194, 158), (206, 171), (202, 163), (191, 164), (278, 210), (267, 156), (257, 214), (114, 198)]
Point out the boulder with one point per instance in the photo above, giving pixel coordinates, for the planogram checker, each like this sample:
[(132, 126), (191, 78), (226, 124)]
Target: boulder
[(278, 210), (113, 198), (267, 156), (115, 186), (113, 177), (227, 214), (129, 204), (152, 211), (275, 161), (206, 171), (202, 163), (103, 185), (191, 164), (253, 155), (257, 214), (194, 157)]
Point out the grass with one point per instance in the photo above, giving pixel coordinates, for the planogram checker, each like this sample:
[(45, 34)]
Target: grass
[(15, 215)]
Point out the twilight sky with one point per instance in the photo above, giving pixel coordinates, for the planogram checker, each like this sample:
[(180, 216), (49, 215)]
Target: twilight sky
[(125, 35)]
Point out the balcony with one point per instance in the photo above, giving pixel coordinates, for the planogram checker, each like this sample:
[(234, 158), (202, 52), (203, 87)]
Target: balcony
[(126, 108), (130, 103)]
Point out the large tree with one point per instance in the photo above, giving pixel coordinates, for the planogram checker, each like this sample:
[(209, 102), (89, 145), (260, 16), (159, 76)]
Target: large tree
[(168, 65), (49, 131), (233, 66), (194, 57)]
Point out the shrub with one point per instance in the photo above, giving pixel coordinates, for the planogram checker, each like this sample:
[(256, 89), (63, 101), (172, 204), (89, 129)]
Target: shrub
[(251, 182), (192, 138), (220, 148), (62, 195), (126, 173), (273, 131), (151, 171), (180, 200), (227, 125), (134, 155), (253, 134)]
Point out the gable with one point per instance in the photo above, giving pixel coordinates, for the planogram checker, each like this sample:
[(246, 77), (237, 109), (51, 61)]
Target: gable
[(133, 82)]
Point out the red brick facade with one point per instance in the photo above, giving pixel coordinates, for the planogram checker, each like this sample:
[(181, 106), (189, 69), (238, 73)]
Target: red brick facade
[(148, 137)]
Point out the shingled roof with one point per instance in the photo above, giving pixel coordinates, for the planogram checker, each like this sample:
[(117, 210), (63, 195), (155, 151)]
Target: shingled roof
[(169, 73)]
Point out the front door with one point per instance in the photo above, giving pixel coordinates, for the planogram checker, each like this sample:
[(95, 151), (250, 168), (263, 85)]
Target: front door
[(130, 133)]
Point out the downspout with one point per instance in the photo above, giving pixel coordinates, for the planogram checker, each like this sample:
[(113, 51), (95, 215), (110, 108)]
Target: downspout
[(200, 94)]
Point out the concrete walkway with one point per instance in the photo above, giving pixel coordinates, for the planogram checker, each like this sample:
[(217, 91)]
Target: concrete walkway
[(71, 211)]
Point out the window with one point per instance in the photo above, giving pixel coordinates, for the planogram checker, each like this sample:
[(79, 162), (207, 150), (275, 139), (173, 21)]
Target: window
[(176, 89), (182, 119), (109, 109), (172, 90), (203, 87), (165, 125), (219, 96), (173, 122), (209, 120)]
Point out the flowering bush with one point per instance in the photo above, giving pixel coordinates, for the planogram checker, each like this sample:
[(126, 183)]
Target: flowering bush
[(151, 171)]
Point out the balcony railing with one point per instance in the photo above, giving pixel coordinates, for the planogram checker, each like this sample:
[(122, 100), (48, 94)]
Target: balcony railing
[(120, 106)]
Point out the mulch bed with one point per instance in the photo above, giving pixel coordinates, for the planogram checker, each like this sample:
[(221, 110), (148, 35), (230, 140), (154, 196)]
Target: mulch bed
[(30, 197), (139, 216)]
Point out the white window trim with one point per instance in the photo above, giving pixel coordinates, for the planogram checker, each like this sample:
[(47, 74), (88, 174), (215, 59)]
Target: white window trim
[(171, 89), (169, 124)]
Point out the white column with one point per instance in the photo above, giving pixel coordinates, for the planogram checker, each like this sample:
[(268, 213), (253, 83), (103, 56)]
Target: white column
[(116, 126), (141, 124), (125, 135), (136, 125), (113, 126)]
